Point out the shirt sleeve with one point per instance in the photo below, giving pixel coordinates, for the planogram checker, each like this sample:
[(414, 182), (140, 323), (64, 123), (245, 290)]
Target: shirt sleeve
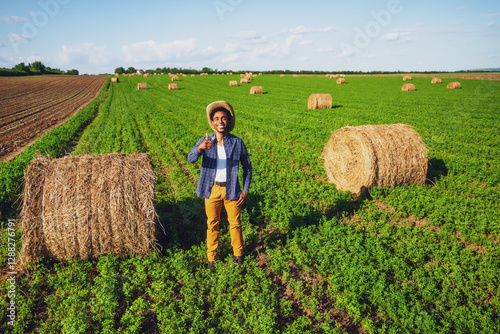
[(247, 167), (194, 155)]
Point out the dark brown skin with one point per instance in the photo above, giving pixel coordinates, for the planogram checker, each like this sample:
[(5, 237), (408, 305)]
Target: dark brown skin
[(220, 120)]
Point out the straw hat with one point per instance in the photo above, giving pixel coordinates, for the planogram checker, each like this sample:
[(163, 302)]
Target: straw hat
[(217, 105)]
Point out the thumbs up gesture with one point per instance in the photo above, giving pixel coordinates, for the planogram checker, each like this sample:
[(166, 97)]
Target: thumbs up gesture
[(206, 144)]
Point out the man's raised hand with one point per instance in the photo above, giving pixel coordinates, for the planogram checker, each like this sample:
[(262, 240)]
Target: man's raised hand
[(206, 144)]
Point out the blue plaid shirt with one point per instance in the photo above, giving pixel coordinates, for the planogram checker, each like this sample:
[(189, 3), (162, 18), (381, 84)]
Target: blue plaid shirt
[(236, 152)]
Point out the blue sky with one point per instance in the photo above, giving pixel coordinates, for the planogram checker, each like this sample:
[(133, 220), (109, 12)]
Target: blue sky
[(389, 35)]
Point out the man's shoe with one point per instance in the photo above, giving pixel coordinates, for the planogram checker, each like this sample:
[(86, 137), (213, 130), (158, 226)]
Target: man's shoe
[(239, 259), (211, 266)]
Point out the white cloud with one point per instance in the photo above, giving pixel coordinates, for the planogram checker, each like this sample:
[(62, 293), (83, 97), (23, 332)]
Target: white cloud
[(399, 36), (149, 51), (250, 36), (232, 47), (299, 30), (326, 49), (346, 53), (210, 51), (12, 19), (14, 38), (491, 15), (491, 24), (393, 36), (83, 53), (230, 58), (306, 42)]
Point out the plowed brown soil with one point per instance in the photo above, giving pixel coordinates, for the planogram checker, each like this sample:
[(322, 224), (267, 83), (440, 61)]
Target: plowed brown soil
[(29, 106)]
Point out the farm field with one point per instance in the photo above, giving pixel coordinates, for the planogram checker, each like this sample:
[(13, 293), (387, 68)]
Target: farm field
[(29, 106), (408, 259)]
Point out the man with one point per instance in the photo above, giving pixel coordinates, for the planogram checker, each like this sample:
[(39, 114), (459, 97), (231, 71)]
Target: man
[(222, 152)]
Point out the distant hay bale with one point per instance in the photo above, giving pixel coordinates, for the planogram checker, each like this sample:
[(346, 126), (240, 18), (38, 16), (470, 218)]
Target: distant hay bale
[(243, 80), (367, 156), (114, 80), (341, 81), (192, 75), (116, 74), (282, 75), (80, 207), (436, 81), (319, 101), (142, 85), (295, 75), (453, 85), (408, 87), (172, 86), (146, 75), (406, 78), (233, 83), (242, 75), (260, 73), (175, 78), (256, 90)]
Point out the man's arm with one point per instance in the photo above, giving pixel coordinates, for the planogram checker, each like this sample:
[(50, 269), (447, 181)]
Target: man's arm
[(195, 154), (247, 168)]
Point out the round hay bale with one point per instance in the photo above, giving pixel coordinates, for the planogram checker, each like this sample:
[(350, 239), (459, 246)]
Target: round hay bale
[(295, 75), (367, 156), (408, 87), (142, 85), (406, 78), (192, 75), (172, 86), (319, 101), (341, 81), (114, 80), (175, 78), (436, 81), (80, 207), (233, 83), (256, 90), (243, 80), (282, 75), (453, 85), (146, 75)]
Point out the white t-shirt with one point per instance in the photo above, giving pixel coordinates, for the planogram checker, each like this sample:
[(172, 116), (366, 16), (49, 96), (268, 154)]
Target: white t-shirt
[(220, 174)]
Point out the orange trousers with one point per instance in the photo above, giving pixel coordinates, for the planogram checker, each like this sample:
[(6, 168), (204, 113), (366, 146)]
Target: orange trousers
[(213, 206)]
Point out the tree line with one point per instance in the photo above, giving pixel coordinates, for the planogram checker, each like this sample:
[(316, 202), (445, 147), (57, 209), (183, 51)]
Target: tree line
[(175, 70), (35, 68)]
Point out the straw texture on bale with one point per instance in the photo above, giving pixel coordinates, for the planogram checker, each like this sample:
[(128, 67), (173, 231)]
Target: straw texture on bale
[(453, 85), (172, 86), (114, 80), (175, 78), (233, 83), (367, 156), (408, 87), (256, 90), (436, 81), (142, 85), (341, 81), (406, 78), (243, 80), (319, 101), (79, 207), (146, 75)]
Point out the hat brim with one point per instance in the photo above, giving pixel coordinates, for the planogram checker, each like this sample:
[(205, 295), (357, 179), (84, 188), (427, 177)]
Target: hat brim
[(221, 104)]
